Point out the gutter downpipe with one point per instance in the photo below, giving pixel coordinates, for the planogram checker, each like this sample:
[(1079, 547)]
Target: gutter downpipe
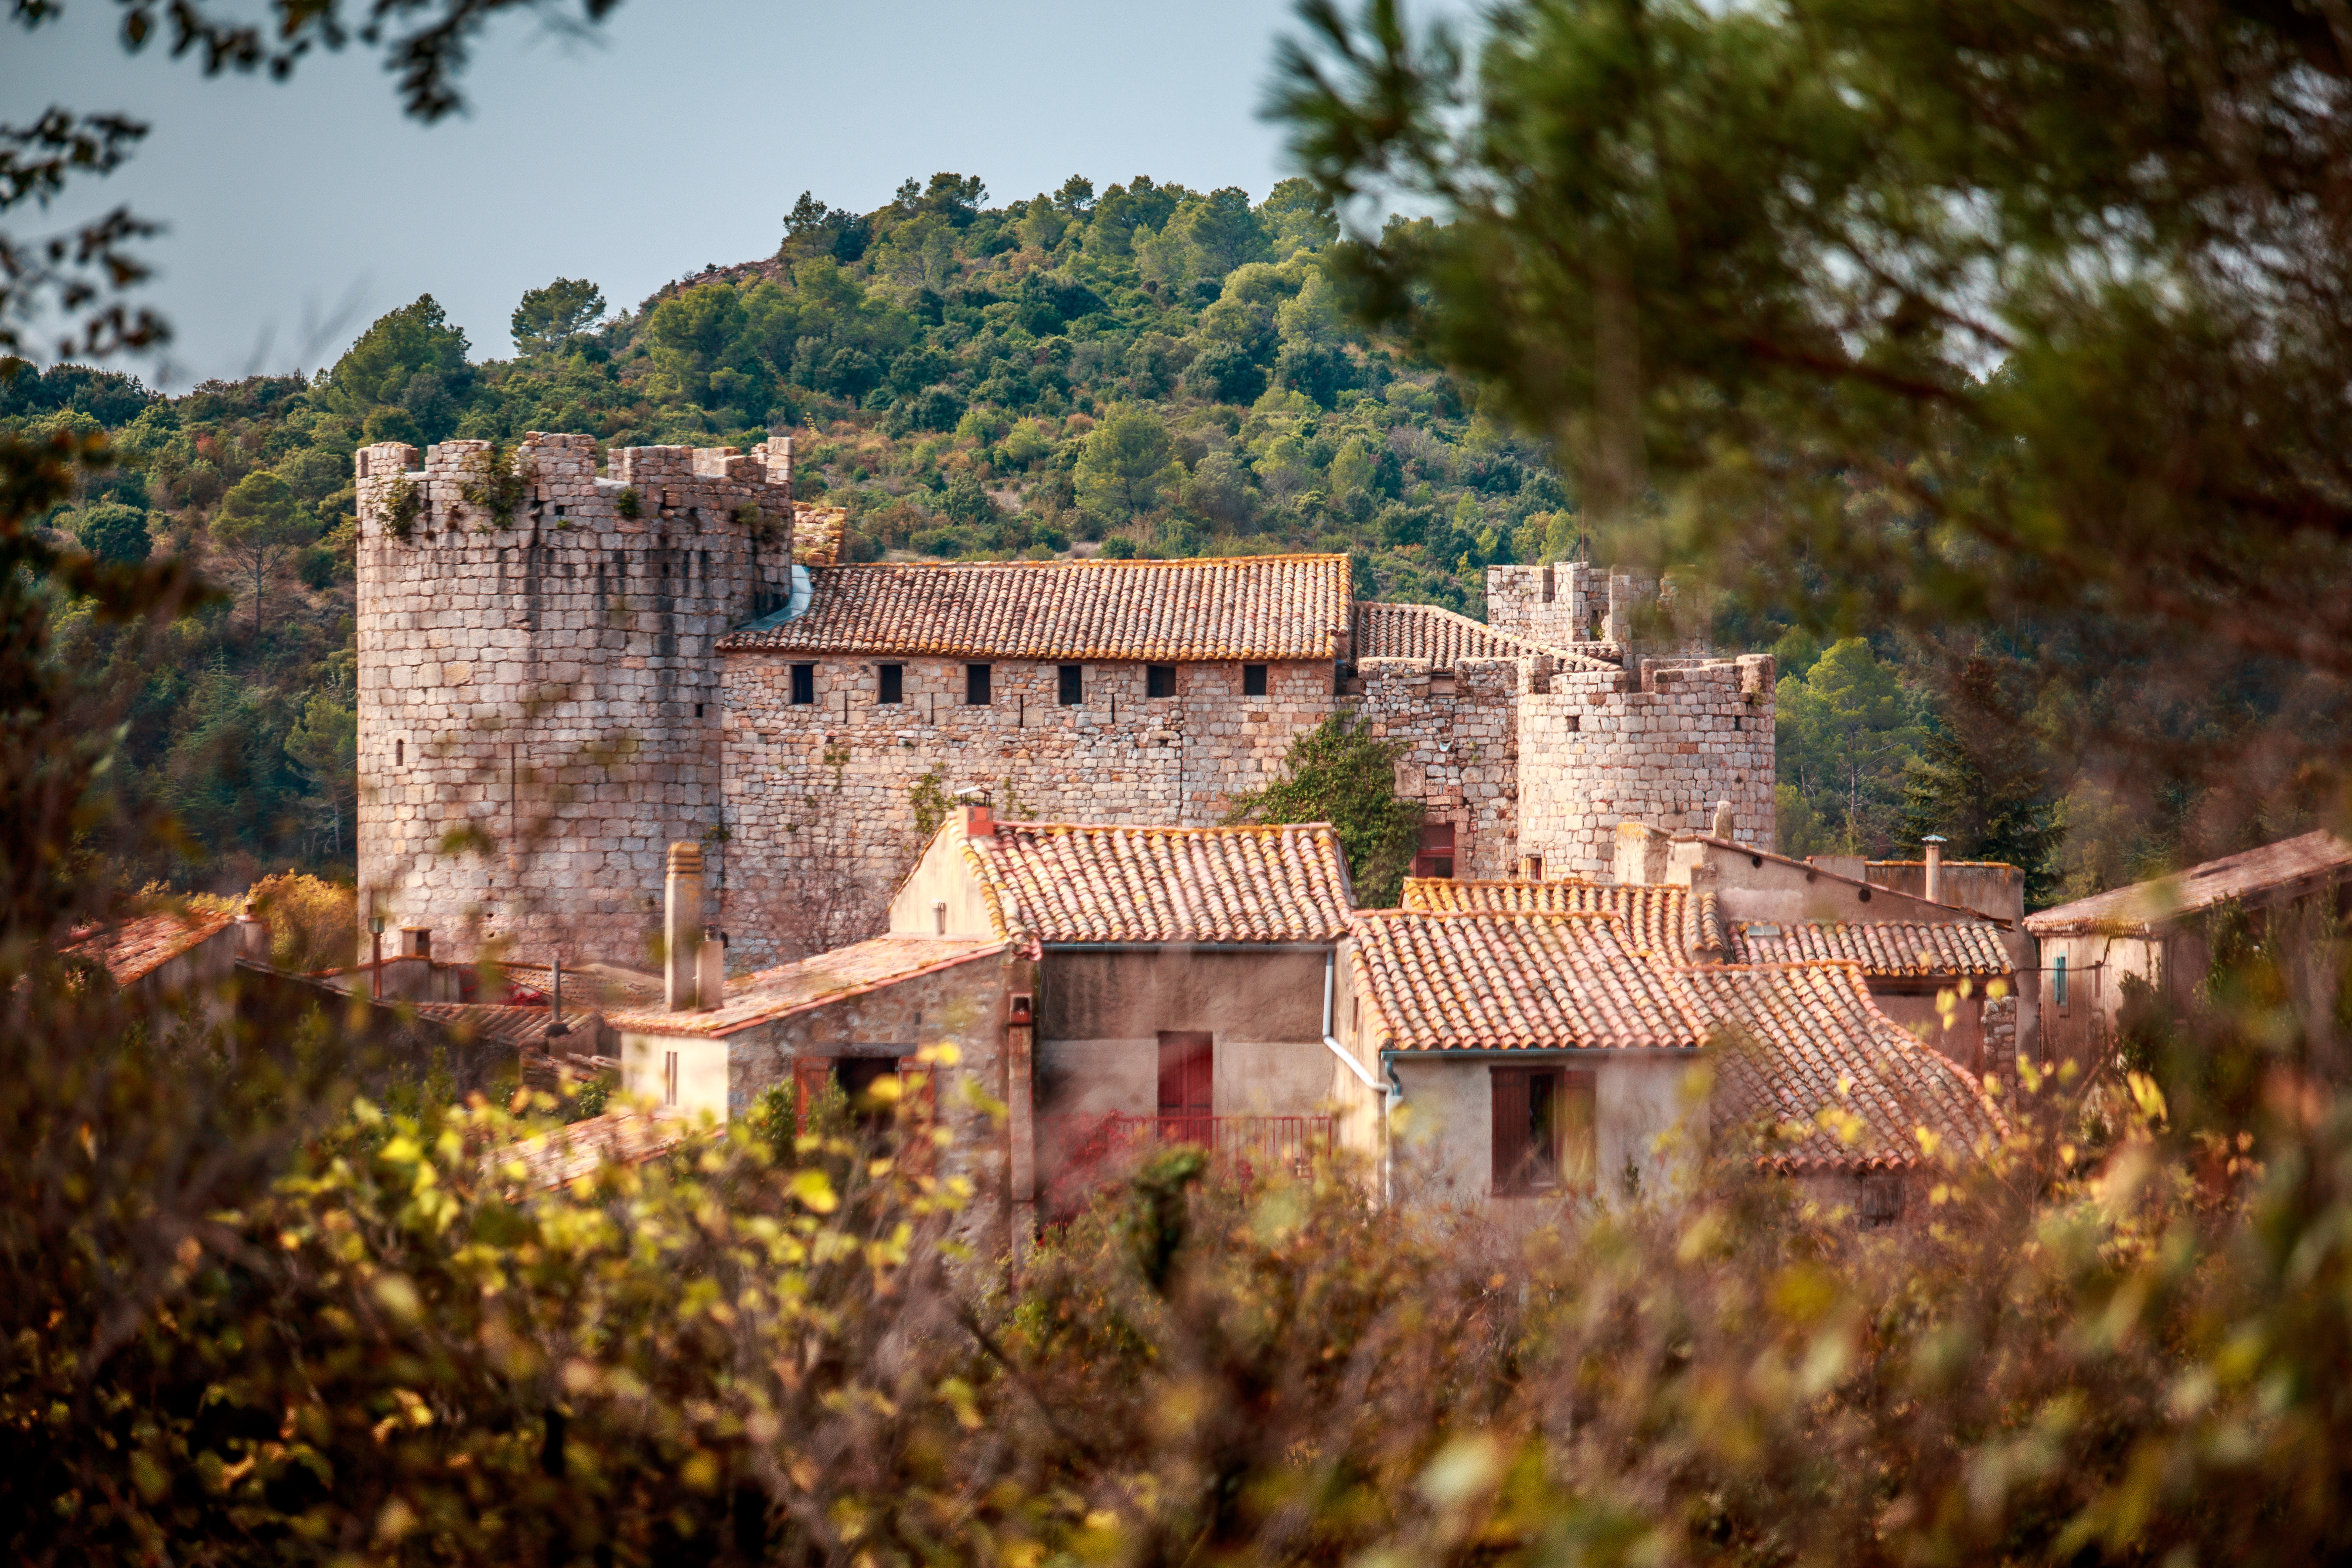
[(1363, 1074)]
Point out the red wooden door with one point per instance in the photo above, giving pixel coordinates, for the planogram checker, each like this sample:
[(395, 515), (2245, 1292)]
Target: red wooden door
[(1187, 1085)]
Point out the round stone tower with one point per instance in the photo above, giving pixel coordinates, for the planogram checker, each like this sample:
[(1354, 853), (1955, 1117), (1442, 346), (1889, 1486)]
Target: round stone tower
[(538, 688)]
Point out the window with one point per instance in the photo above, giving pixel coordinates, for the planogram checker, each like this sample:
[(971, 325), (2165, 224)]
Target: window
[(894, 683), (697, 710), (399, 753), (669, 1077), (975, 685), (1253, 680), (2059, 995), (1074, 685), (1531, 869), (1160, 681), (1435, 856), (803, 685), (1543, 1131)]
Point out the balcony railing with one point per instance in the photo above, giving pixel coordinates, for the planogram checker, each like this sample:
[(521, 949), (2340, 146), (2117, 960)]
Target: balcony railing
[(1095, 1150)]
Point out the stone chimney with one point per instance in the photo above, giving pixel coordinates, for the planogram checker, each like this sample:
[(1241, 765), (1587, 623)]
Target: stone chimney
[(252, 935), (711, 970), (1935, 843), (416, 941), (681, 926), (1642, 852), (1723, 821)]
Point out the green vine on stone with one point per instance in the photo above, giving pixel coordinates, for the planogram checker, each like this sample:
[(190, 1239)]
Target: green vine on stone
[(501, 483), (929, 796), (403, 503), (627, 503)]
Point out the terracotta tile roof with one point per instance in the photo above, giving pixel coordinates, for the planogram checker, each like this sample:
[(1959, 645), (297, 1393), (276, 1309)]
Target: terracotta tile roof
[(621, 1137), (1242, 608), (1669, 921), (812, 982), (1499, 982), (1894, 949), (1049, 882), (590, 986), (495, 1025), (2286, 868), (817, 533), (1794, 1038), (1445, 639), (134, 948)]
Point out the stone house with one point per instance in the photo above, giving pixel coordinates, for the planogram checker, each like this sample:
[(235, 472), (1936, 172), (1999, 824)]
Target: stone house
[(880, 1008), (1930, 965), (2155, 932), (1539, 1037), (1184, 978)]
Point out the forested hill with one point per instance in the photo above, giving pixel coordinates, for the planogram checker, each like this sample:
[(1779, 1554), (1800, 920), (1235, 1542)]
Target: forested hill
[(1148, 370)]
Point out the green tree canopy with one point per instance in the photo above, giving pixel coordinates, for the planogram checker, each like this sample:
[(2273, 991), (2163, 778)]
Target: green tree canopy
[(112, 531), (552, 317), (1341, 774), (415, 340), (1979, 783), (1125, 466), (1845, 733), (259, 525)]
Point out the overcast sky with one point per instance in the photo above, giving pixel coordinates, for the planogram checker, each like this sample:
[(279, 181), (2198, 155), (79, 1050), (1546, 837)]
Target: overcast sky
[(299, 213)]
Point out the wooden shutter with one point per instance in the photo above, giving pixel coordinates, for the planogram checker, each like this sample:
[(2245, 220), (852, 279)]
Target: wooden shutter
[(1510, 1129), (919, 1111), (1580, 1146), (811, 1075)]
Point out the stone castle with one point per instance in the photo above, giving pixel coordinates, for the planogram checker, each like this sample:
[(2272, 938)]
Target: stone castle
[(562, 672)]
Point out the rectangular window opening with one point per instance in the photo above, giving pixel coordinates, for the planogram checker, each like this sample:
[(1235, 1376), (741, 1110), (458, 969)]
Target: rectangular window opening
[(1160, 681), (894, 684), (1435, 857), (1074, 684), (1253, 680), (975, 685), (399, 753), (803, 685), (1543, 1131), (669, 1077), (2060, 988)]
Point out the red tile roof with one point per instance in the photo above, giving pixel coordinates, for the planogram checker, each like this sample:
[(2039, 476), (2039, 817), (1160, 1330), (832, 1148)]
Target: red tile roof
[(1895, 949), (1270, 608), (1502, 981), (1048, 882), (1445, 639), (2287, 868), (813, 982), (498, 1025), (620, 1137), (134, 948), (1795, 1038), (1672, 921)]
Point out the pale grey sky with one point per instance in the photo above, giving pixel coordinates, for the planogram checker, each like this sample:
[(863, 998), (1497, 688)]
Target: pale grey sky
[(299, 213)]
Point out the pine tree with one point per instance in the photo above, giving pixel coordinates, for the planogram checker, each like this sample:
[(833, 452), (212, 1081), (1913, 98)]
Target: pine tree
[(1981, 786)]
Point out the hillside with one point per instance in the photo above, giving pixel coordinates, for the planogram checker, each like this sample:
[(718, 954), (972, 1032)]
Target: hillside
[(1149, 371)]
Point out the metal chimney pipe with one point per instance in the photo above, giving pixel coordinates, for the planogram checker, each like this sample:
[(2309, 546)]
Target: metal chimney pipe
[(1935, 843)]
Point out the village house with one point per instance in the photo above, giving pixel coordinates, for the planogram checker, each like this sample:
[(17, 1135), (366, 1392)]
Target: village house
[(2156, 932)]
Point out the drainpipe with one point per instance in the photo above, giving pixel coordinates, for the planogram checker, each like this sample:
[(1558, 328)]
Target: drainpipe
[(1363, 1074)]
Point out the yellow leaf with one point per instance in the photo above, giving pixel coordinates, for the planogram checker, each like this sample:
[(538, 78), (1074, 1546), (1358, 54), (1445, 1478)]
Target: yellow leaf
[(814, 1192)]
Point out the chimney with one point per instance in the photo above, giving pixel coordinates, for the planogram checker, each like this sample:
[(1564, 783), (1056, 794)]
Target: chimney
[(1723, 820), (979, 819), (1935, 843), (252, 935), (416, 941), (681, 926), (711, 970)]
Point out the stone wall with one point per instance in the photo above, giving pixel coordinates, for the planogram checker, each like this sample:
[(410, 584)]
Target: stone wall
[(1596, 750), (538, 691), (820, 797), (1460, 731)]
